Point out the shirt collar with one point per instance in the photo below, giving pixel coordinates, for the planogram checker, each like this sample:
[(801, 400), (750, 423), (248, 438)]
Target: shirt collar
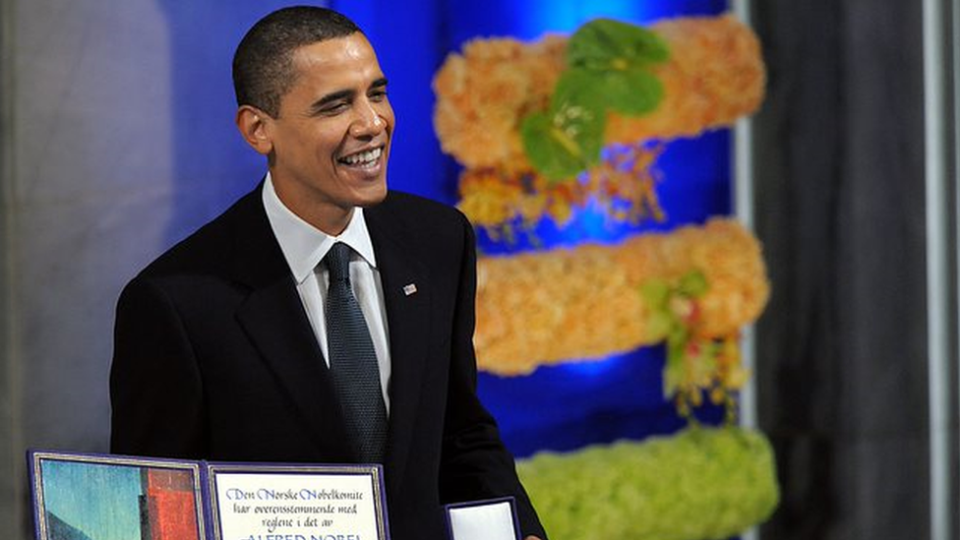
[(303, 245)]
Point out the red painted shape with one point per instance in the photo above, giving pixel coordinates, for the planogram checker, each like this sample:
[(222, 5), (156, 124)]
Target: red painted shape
[(170, 507)]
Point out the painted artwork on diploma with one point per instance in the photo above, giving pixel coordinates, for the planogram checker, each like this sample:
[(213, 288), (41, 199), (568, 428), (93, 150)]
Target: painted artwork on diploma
[(96, 497)]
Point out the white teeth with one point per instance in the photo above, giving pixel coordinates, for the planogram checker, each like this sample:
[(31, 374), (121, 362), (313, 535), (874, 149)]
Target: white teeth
[(363, 158)]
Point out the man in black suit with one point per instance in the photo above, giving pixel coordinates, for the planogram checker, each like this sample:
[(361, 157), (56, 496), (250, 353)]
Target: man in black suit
[(221, 344)]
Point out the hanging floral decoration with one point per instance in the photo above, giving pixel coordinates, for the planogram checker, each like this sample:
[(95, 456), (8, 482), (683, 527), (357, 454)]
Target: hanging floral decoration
[(531, 306), (623, 185), (608, 71), (697, 364), (698, 73)]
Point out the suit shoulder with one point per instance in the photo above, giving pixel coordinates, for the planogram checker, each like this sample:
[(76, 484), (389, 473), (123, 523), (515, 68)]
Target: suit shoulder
[(421, 214), (402, 201)]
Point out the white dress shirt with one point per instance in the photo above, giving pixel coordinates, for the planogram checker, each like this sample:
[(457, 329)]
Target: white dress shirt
[(304, 247)]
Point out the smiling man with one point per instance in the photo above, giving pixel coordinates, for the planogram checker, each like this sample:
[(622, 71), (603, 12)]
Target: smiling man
[(328, 139), (322, 318)]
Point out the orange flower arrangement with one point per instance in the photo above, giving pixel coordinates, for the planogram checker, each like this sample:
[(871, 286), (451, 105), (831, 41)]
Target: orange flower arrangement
[(714, 75), (484, 93), (530, 306), (697, 364)]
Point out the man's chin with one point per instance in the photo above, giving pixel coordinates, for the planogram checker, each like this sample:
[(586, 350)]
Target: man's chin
[(374, 197)]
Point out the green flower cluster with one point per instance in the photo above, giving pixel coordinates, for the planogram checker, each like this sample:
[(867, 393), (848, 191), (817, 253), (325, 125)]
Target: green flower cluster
[(700, 484), (609, 69), (673, 309)]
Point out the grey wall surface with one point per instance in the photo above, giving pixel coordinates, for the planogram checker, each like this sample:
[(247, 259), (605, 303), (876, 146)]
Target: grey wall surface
[(8, 444), (111, 152)]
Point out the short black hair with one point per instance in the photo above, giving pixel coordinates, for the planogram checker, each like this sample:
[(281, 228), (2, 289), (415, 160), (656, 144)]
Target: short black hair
[(263, 63)]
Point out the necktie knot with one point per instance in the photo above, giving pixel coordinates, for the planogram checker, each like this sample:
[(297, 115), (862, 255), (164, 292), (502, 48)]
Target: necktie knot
[(338, 262)]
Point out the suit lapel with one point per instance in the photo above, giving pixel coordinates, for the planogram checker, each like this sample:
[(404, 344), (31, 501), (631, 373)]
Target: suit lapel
[(273, 317), (407, 297)]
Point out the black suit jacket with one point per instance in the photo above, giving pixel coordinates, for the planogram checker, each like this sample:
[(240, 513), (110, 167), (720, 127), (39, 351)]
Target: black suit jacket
[(215, 359)]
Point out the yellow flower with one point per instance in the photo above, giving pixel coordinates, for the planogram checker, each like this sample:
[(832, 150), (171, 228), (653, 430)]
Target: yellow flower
[(494, 198), (481, 98), (486, 200)]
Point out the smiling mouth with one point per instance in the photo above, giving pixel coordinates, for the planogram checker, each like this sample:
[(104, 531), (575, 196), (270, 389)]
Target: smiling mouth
[(364, 159)]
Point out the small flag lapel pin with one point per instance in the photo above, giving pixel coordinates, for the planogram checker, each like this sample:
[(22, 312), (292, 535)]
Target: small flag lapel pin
[(409, 289)]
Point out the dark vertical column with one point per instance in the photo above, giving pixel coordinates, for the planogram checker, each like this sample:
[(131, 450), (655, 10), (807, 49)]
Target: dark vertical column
[(12, 477), (842, 359)]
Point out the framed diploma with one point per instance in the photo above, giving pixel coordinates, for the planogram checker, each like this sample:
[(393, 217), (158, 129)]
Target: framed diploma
[(91, 496), (297, 502)]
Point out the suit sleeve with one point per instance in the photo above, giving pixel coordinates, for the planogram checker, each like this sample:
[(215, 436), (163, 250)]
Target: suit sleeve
[(475, 462), (155, 387)]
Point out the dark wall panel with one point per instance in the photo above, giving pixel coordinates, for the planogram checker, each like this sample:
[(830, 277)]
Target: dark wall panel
[(842, 368)]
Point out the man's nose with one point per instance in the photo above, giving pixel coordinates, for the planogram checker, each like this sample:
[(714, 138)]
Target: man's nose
[(368, 122)]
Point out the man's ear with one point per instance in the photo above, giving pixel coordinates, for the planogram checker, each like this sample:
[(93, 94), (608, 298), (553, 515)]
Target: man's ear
[(253, 125)]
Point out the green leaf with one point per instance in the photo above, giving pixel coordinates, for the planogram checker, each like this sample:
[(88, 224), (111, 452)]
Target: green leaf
[(659, 325), (655, 292), (604, 44), (632, 92), (607, 62), (551, 152), (673, 372), (568, 138), (678, 337), (694, 284), (578, 88), (577, 110), (674, 356), (672, 375)]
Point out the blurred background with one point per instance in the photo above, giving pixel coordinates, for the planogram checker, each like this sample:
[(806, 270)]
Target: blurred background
[(117, 140)]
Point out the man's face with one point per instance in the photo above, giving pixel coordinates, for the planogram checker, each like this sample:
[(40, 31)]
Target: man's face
[(331, 139)]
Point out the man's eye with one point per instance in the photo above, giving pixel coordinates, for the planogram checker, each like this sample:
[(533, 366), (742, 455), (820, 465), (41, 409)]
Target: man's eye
[(378, 95), (334, 108)]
